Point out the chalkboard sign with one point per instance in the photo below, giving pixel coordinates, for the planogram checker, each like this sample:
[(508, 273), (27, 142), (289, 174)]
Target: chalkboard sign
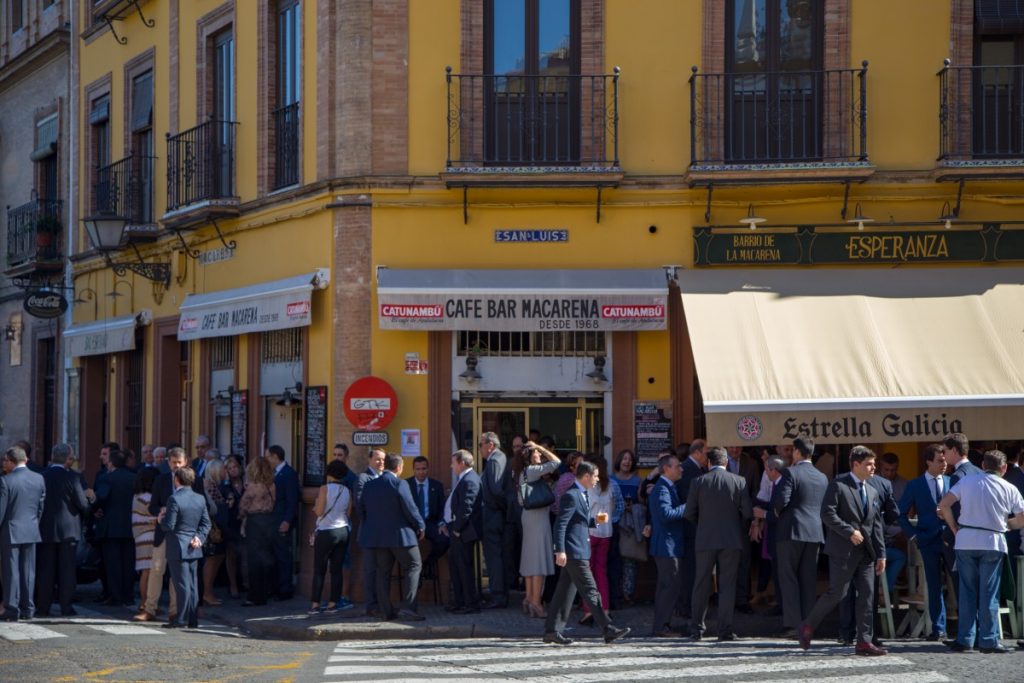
[(316, 436), (240, 424), (652, 425)]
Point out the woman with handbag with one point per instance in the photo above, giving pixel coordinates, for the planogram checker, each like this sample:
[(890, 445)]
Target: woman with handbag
[(330, 539), (622, 567), (215, 547), (536, 560)]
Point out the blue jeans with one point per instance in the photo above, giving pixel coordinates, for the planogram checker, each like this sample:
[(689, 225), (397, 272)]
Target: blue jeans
[(895, 560), (980, 571)]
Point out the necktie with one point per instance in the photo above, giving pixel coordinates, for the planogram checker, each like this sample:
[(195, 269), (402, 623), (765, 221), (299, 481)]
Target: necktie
[(586, 499), (423, 499), (938, 491), (864, 499)]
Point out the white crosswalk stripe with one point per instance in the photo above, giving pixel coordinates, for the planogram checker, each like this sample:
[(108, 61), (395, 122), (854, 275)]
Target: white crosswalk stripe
[(635, 659), (63, 627), (17, 631)]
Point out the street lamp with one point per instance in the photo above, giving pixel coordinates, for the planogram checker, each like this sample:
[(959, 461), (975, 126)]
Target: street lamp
[(106, 231)]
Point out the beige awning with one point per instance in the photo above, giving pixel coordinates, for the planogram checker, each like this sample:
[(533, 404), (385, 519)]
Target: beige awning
[(858, 355)]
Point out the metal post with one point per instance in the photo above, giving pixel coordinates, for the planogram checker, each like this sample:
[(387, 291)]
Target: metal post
[(864, 110), (615, 114), (693, 114)]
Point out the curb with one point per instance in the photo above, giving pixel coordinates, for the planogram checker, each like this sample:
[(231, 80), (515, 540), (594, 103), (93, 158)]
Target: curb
[(267, 628)]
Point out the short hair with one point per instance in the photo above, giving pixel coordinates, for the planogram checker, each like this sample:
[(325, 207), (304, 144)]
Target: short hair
[(25, 446), (957, 441), (859, 454), (717, 456), (117, 458), (584, 468), (491, 438), (112, 446), (277, 451), (144, 482), (775, 463), (993, 461), (185, 476), (890, 458), (341, 447), (697, 445), (213, 475), (621, 455), (60, 453), (336, 469), (175, 453), (392, 461), (203, 440), (664, 461), (804, 445), (215, 452), (376, 450), (463, 457), (546, 441), (159, 451), (420, 458), (17, 455), (932, 450)]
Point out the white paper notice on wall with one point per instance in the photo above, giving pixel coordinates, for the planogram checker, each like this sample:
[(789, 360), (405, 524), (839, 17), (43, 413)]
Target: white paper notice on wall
[(410, 443)]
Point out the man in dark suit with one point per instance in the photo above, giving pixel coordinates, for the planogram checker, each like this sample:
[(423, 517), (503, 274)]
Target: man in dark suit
[(923, 495), (665, 511), (743, 465), (163, 489), (393, 529), (855, 545), (286, 513), (60, 528), (22, 493), (202, 447), (374, 468), (114, 495), (429, 497), (494, 489), (719, 506), (796, 503), (956, 449), (1014, 475), (186, 522), (571, 538), (463, 525), (693, 467)]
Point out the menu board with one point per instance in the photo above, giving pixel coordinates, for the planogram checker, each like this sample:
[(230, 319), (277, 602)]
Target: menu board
[(240, 424), (316, 436), (652, 425)]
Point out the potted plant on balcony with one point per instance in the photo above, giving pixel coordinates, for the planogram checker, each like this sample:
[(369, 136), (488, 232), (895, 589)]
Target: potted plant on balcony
[(47, 229)]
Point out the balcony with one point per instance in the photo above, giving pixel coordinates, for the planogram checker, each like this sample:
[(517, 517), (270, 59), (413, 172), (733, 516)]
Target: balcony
[(34, 232), (785, 126), (125, 188), (534, 130), (981, 121), (286, 139), (201, 174)]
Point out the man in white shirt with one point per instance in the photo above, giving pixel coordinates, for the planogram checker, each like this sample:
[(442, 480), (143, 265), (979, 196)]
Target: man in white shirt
[(986, 501)]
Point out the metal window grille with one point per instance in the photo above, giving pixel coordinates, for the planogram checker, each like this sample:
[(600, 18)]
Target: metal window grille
[(282, 346), (135, 400), (222, 353), (532, 344)]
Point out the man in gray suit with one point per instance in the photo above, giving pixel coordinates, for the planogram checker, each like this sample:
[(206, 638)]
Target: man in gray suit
[(719, 505), (186, 523), (22, 492), (796, 502), (855, 545), (494, 481)]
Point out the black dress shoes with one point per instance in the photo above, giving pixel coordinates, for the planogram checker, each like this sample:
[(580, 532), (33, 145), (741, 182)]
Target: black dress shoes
[(936, 636), (997, 650), (727, 638), (557, 639), (172, 624), (613, 633), (409, 615), (957, 646), (9, 616)]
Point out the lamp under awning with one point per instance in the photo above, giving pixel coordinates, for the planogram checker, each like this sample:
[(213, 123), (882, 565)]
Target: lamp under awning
[(864, 355)]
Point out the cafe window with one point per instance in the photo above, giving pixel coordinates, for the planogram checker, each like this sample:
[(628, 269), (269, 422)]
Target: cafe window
[(531, 344), (221, 354)]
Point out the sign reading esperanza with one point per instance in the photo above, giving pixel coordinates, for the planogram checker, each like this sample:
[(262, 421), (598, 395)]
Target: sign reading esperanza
[(523, 312)]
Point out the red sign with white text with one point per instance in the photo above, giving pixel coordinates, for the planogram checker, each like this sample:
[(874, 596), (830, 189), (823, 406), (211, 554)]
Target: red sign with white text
[(370, 404)]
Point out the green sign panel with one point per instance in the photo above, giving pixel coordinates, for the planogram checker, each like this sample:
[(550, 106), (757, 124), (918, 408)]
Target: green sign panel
[(807, 245)]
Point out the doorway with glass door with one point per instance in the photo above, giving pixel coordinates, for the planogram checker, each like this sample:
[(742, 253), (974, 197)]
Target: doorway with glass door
[(575, 423)]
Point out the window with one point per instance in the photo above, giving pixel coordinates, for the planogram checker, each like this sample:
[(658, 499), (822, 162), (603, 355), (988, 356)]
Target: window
[(774, 83), (286, 111), (45, 156), (998, 83), (223, 111), (221, 352), (531, 82), (531, 344), (140, 175), (99, 124), (17, 15)]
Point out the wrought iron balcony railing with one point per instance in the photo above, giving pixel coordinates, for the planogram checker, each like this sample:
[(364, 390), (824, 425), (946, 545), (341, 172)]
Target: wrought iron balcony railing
[(783, 117), (125, 188), (34, 232), (201, 164), (551, 121), (981, 112), (286, 139)]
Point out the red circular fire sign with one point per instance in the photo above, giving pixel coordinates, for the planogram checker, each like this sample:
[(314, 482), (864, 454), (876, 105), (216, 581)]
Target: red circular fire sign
[(370, 403)]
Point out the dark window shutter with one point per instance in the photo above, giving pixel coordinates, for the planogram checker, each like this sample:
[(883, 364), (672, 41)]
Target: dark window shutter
[(998, 17), (142, 101)]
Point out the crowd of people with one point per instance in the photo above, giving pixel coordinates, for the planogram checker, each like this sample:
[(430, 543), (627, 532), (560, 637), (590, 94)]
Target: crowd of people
[(551, 526)]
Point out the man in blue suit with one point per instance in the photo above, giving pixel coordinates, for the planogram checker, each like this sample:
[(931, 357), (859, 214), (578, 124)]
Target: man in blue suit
[(286, 507), (571, 537), (666, 514), (374, 468), (923, 495), (60, 529), (1014, 475), (186, 523), (392, 529), (22, 493), (463, 524), (115, 493), (429, 496)]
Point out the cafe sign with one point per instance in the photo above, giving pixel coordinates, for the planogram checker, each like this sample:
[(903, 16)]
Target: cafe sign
[(810, 245), (897, 424), (523, 312)]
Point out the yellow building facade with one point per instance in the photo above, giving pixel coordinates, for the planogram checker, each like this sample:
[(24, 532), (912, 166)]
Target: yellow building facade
[(499, 208)]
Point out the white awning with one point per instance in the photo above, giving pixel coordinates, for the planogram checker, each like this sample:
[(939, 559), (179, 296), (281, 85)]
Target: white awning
[(858, 355), (276, 305), (522, 300), (112, 335)]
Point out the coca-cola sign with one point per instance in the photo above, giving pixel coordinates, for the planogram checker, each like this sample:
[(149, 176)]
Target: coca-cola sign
[(45, 304)]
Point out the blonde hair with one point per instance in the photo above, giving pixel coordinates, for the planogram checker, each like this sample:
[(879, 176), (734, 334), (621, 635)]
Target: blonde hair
[(259, 472), (214, 474)]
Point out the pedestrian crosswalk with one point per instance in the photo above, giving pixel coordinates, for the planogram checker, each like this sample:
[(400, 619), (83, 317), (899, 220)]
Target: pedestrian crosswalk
[(91, 623), (638, 659)]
